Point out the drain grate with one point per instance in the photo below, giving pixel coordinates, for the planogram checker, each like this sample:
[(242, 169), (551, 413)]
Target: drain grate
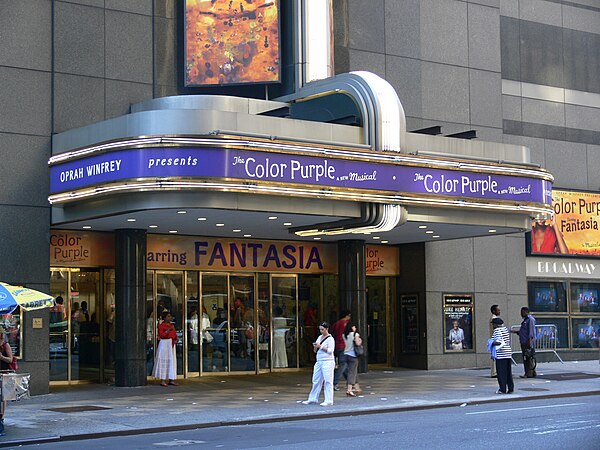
[(76, 409), (569, 376)]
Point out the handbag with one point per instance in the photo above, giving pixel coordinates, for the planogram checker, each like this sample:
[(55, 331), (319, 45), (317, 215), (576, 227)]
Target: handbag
[(208, 337), (358, 347)]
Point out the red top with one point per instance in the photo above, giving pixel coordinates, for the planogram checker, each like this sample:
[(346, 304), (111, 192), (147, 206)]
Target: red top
[(549, 243), (167, 331), (337, 330)]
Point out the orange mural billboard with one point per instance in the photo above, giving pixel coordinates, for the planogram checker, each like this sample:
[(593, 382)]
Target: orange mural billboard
[(69, 248), (231, 42), (574, 229)]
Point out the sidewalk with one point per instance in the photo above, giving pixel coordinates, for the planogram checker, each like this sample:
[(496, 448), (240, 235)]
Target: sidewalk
[(228, 400)]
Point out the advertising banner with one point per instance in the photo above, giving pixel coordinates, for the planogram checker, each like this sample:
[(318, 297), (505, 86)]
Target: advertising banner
[(81, 249), (458, 322), (574, 230), (410, 323), (382, 260), (316, 172), (231, 42), (202, 253)]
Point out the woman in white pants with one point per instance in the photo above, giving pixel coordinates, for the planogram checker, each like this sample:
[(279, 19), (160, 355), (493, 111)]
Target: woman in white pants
[(324, 367)]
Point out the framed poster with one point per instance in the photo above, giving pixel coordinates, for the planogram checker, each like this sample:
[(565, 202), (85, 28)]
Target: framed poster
[(231, 42), (409, 307), (458, 322)]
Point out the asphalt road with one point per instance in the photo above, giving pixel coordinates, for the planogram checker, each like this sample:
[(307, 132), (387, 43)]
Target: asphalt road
[(550, 424)]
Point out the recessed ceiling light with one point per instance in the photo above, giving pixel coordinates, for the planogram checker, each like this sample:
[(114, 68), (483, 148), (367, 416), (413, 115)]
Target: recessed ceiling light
[(201, 218), (172, 231), (492, 231), (272, 217), (317, 239), (236, 231), (219, 224), (384, 242), (376, 237), (247, 235), (152, 226), (287, 224), (429, 232), (435, 236), (422, 226), (131, 220), (181, 212), (86, 227)]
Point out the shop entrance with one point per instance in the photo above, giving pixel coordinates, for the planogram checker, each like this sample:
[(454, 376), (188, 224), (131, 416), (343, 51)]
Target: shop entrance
[(225, 322), (75, 343), (379, 293)]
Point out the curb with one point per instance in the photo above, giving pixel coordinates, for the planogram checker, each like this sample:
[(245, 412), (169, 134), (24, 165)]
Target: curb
[(281, 419)]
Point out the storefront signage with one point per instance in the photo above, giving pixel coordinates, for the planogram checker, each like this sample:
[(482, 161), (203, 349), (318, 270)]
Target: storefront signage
[(409, 305), (562, 268), (458, 322), (313, 172), (575, 229), (189, 252), (382, 260), (81, 249)]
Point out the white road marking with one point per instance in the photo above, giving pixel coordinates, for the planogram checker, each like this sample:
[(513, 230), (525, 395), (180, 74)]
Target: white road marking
[(179, 443), (568, 429), (524, 409)]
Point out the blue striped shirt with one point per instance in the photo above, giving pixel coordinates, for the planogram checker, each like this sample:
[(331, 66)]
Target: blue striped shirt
[(501, 334)]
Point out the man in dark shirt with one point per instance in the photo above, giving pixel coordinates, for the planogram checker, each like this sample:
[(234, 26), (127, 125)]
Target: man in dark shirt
[(337, 330), (527, 340)]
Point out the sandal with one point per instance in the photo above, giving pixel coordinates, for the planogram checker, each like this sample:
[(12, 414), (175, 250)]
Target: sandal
[(164, 384), (350, 394), (358, 391), (172, 383)]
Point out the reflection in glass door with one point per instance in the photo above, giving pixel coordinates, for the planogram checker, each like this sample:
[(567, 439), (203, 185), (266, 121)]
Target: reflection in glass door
[(74, 348), (264, 322), (242, 328), (377, 319), (215, 347), (309, 296), (169, 297), (59, 324), (285, 321)]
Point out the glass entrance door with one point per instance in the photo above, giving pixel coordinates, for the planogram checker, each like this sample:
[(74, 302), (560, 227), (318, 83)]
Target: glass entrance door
[(242, 329), (284, 303), (169, 297), (377, 319), (75, 336)]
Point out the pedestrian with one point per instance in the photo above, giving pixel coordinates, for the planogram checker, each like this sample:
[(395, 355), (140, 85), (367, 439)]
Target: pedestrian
[(165, 365), (338, 334), (527, 340), (324, 367), (6, 357), (350, 335), (503, 354), (495, 310)]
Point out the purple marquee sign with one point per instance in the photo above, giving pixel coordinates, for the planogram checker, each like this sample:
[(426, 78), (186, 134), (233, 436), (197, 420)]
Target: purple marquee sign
[(315, 171)]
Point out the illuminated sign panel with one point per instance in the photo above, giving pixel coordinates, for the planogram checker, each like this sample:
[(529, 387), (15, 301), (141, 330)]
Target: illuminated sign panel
[(231, 42), (575, 229)]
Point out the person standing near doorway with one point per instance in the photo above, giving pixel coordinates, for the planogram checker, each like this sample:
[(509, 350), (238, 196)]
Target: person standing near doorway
[(324, 367), (527, 340), (338, 334), (165, 365), (495, 310)]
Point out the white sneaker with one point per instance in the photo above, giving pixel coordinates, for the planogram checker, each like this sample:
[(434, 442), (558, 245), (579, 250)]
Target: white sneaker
[(326, 404), (308, 402)]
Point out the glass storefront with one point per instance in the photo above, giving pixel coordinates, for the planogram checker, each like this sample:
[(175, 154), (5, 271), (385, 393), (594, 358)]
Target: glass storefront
[(225, 322)]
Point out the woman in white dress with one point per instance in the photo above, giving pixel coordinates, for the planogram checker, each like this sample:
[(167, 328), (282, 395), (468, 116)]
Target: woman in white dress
[(165, 365)]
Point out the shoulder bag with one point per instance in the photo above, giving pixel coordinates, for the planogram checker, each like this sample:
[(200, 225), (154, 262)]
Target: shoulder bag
[(358, 346)]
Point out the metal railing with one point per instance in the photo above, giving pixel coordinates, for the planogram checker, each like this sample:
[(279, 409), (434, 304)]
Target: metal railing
[(546, 339)]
